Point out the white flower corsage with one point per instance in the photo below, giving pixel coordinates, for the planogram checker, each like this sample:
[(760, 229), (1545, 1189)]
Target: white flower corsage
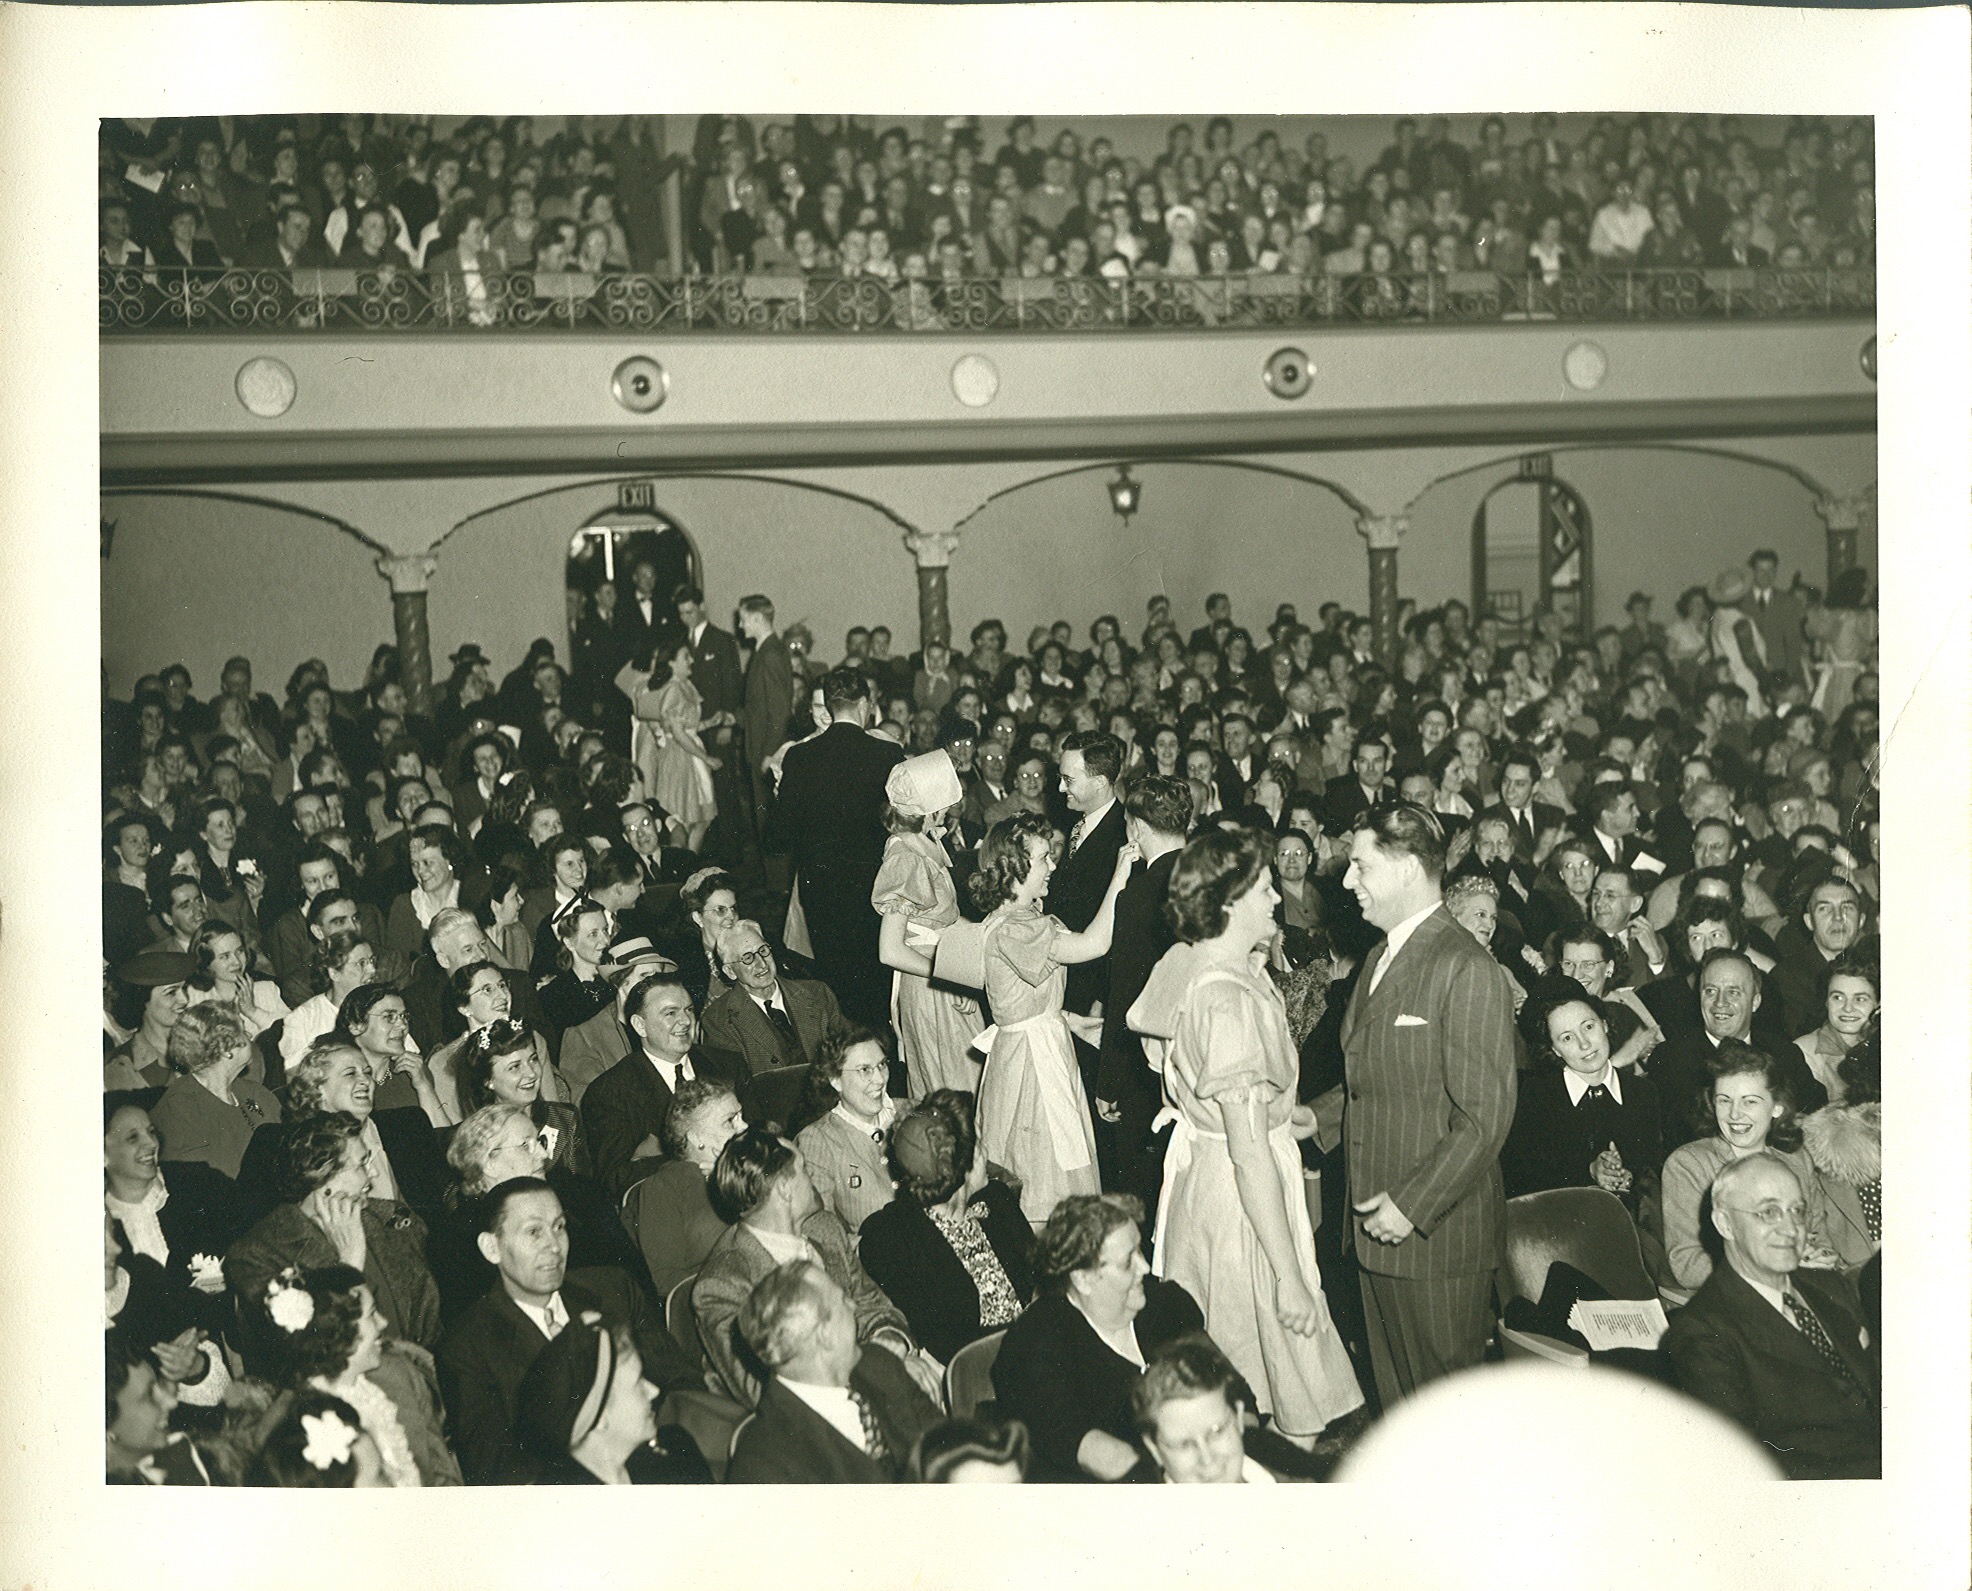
[(208, 1273), (289, 1304), (331, 1438)]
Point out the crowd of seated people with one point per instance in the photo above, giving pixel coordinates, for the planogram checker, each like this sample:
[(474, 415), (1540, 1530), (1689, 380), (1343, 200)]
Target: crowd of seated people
[(908, 207), (395, 1195)]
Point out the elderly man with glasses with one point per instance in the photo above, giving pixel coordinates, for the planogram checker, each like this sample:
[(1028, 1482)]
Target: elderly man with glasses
[(768, 1020)]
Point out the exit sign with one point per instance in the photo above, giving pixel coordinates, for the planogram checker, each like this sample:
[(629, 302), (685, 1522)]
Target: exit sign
[(637, 497)]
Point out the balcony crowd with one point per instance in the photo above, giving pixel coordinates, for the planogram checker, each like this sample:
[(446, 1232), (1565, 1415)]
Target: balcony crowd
[(831, 199), (685, 1059)]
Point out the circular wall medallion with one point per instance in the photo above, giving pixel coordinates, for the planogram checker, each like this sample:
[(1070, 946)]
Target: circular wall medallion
[(265, 387), (1585, 365), (640, 384), (1289, 373), (975, 381), (1868, 358)]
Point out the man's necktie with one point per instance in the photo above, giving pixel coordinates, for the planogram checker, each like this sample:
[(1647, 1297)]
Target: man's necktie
[(784, 1025), (1525, 818), (1804, 1317), (554, 1318), (1075, 835), (872, 1432)]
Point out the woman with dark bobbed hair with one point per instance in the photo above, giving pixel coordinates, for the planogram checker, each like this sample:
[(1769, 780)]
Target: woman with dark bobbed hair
[(970, 1452), (951, 1250), (327, 1336), (327, 1217), (318, 1441), (1233, 1226)]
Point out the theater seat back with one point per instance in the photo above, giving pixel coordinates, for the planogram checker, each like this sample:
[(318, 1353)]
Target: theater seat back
[(1588, 1228)]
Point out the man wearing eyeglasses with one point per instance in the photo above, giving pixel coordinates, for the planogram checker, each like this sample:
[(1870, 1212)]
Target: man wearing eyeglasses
[(769, 1020), (1780, 1349)]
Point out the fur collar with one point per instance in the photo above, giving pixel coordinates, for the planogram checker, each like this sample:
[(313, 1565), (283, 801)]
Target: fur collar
[(1846, 1141)]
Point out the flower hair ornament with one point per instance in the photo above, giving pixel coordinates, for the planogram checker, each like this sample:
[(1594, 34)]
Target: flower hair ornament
[(331, 1439), (290, 1305)]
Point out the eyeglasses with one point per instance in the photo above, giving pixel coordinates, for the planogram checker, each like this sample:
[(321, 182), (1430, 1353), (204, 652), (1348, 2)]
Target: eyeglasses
[(761, 956), (1773, 1213)]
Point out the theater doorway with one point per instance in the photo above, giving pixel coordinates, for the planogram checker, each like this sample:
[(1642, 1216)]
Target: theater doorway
[(599, 572), (1533, 548)]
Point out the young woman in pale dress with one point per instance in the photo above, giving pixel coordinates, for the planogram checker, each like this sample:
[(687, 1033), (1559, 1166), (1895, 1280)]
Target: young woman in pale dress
[(1033, 1112), (676, 767), (1232, 1226), (936, 1022)]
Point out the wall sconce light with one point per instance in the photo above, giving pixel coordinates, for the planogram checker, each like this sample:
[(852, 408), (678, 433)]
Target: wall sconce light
[(1125, 494)]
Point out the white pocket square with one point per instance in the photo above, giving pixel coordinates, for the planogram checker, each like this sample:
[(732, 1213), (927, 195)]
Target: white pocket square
[(1408, 1021)]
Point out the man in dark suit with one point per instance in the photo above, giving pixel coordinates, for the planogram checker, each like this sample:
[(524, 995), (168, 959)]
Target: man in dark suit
[(290, 248), (765, 1019), (1640, 634), (1240, 761), (1777, 615), (1729, 1003), (1609, 821), (833, 1409), (1781, 1350), (830, 817), (761, 1188), (1091, 763), (1348, 799), (624, 1109), (485, 1356), (768, 695), (1128, 1094), (641, 618), (1530, 820), (717, 678), (1428, 1050)]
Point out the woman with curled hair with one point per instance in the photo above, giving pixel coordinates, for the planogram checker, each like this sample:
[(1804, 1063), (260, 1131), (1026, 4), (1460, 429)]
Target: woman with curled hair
[(212, 1107), (1033, 1113), (407, 1164), (579, 990), (346, 962), (373, 1018), (970, 1452), (481, 994), (1190, 1411), (1752, 1109), (225, 978), (669, 1213), (951, 1249), (503, 1064), (327, 1336), (328, 1216), (1233, 1227), (317, 1441), (563, 870), (845, 1115), (1069, 1363)]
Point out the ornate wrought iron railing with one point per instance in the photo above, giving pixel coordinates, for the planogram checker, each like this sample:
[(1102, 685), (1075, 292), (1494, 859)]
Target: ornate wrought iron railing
[(345, 300)]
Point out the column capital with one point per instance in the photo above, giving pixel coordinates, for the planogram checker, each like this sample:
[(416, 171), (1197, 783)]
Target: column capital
[(1383, 532), (1842, 513), (932, 549), (407, 571)]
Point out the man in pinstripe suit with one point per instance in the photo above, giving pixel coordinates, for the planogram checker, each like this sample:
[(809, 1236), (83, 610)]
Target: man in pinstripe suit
[(1428, 1047)]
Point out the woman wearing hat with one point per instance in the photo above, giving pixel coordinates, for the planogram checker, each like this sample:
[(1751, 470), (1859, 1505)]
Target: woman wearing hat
[(936, 1022), (584, 1414), (147, 993), (1736, 639)]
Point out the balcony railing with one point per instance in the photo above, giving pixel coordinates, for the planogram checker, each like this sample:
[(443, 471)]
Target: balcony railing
[(351, 301)]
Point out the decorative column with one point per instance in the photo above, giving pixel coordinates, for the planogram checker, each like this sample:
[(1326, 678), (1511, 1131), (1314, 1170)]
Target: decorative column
[(1843, 517), (933, 551), (1383, 532), (409, 575)]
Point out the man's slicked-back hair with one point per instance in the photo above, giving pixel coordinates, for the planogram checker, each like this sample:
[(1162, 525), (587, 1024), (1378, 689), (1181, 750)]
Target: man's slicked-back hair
[(845, 687), (1102, 752), (1403, 828), (746, 1171), (1160, 804)]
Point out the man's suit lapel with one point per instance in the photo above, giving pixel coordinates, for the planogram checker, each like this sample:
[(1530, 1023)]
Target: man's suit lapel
[(835, 1453), (1773, 1331)]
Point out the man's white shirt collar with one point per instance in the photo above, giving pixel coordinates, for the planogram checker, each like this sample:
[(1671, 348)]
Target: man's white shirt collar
[(835, 1405), (538, 1313), (671, 1071)]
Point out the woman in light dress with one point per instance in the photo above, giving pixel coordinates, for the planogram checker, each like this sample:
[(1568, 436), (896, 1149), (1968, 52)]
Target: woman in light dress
[(1844, 633), (1033, 1113), (1232, 1226), (935, 1022), (676, 767)]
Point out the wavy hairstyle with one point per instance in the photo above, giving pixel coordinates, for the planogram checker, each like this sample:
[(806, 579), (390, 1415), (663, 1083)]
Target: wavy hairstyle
[(1215, 869), (1004, 863)]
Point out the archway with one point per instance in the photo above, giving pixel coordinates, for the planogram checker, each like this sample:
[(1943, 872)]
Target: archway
[(1533, 550), (605, 553)]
